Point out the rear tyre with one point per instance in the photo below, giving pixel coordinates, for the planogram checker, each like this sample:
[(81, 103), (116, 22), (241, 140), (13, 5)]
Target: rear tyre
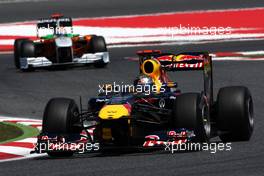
[(17, 51), (191, 112), (59, 116), (235, 114)]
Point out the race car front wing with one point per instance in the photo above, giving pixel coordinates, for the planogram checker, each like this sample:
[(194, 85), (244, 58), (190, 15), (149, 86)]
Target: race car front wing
[(87, 58)]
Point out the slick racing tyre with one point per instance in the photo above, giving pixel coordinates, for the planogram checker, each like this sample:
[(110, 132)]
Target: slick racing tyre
[(27, 48), (17, 51), (59, 116), (191, 112), (98, 44), (235, 114)]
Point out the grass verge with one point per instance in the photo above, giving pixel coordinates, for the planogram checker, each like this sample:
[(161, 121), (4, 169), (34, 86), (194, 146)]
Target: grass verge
[(12, 132)]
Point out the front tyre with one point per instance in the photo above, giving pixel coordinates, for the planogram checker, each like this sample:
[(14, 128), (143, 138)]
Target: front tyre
[(59, 116), (235, 114), (98, 44), (17, 51), (27, 48)]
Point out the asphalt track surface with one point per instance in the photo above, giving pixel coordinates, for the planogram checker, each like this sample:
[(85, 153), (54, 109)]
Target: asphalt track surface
[(81, 8), (25, 94)]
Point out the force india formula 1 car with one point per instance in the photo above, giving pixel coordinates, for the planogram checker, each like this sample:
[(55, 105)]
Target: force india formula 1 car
[(59, 46), (136, 119)]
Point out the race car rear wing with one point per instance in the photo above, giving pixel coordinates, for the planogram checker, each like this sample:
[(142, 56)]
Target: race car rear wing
[(187, 61), (54, 22)]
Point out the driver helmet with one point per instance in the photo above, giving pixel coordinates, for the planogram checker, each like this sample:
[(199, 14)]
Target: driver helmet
[(145, 80)]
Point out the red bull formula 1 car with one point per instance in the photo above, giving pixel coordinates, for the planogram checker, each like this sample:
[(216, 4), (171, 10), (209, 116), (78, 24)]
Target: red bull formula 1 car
[(165, 114), (57, 45)]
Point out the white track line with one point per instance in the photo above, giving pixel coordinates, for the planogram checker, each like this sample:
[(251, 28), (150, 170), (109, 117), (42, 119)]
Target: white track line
[(252, 52), (30, 123), (15, 150), (29, 140), (236, 59), (18, 118), (19, 1)]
